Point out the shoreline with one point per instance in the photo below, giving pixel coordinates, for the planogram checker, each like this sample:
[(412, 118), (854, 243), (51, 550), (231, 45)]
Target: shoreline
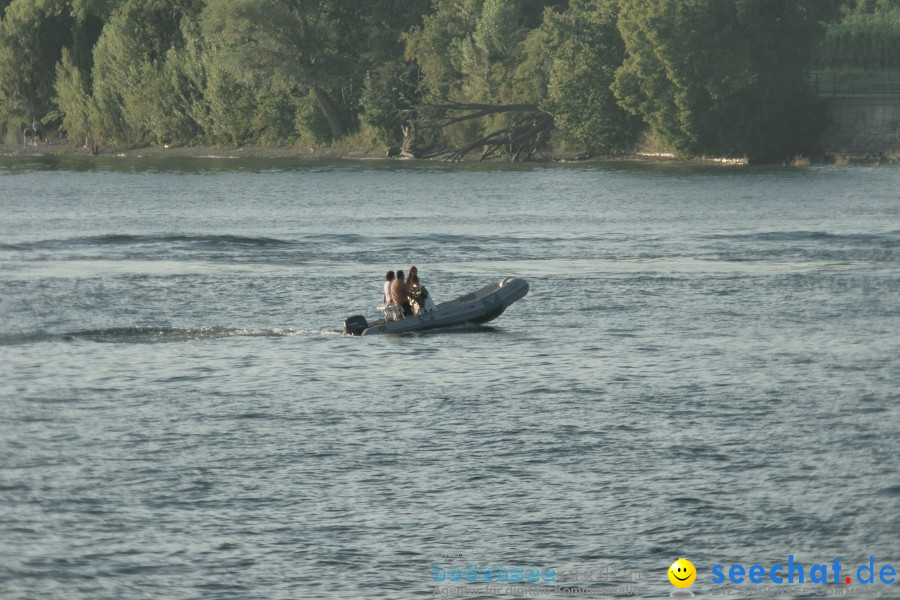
[(52, 148)]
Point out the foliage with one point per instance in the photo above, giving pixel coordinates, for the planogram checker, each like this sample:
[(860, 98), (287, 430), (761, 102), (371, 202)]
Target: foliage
[(709, 77), (722, 77), (139, 94), (436, 45), (867, 37), (73, 99), (585, 50), (229, 103), (479, 51), (390, 97), (295, 42), (32, 36)]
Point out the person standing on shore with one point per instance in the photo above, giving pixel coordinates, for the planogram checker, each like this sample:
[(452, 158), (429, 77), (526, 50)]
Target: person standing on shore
[(36, 131)]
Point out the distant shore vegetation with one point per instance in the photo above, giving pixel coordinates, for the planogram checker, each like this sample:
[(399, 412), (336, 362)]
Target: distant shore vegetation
[(437, 78)]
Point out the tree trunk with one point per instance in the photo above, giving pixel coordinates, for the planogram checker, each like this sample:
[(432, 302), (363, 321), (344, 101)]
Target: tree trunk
[(331, 112), (519, 141)]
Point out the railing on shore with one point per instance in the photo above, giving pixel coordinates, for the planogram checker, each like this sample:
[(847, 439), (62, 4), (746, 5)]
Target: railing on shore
[(826, 83)]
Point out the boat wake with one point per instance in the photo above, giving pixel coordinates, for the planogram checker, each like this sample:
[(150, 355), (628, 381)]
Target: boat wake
[(112, 240), (149, 334)]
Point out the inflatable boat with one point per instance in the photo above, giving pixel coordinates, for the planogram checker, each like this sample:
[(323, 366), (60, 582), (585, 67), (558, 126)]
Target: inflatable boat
[(482, 306)]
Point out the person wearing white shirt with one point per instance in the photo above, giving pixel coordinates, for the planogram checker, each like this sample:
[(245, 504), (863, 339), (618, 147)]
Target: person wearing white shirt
[(388, 281)]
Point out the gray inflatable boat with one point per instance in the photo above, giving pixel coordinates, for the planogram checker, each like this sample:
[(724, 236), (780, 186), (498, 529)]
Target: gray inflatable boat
[(482, 306)]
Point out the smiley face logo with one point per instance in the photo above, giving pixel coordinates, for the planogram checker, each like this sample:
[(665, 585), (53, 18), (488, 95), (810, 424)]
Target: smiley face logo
[(682, 573)]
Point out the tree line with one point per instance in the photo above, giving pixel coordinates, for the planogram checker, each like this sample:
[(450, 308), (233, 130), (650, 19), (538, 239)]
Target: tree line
[(436, 77)]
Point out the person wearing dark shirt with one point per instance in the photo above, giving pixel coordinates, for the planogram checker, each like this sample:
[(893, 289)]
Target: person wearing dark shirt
[(421, 300)]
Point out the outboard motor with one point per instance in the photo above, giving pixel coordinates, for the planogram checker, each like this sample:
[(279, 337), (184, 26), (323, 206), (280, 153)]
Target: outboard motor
[(355, 325)]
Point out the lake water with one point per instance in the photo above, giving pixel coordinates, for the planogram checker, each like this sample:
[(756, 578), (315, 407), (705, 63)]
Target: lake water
[(707, 365)]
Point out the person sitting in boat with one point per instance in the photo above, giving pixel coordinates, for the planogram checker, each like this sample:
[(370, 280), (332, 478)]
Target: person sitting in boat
[(386, 294), (400, 294), (420, 298)]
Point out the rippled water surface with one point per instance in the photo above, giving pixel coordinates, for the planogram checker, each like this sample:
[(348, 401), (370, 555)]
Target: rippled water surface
[(707, 365)]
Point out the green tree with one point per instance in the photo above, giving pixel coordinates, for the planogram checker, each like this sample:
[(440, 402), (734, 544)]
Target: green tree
[(89, 17), (294, 41), (32, 36), (472, 51), (390, 83), (475, 54), (585, 49), (437, 45), (390, 99), (73, 104), (490, 52), (139, 93), (73, 100), (867, 37), (230, 104), (722, 77)]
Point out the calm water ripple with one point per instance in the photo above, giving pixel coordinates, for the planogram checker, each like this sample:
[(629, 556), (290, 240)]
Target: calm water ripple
[(706, 366)]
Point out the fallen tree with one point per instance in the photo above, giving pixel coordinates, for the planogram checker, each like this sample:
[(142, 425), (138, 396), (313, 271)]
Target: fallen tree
[(528, 133)]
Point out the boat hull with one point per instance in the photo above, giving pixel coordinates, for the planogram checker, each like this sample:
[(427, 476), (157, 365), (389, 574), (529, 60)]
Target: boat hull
[(482, 306)]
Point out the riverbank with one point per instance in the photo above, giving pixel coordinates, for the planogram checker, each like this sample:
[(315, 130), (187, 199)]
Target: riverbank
[(51, 148), (653, 154)]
